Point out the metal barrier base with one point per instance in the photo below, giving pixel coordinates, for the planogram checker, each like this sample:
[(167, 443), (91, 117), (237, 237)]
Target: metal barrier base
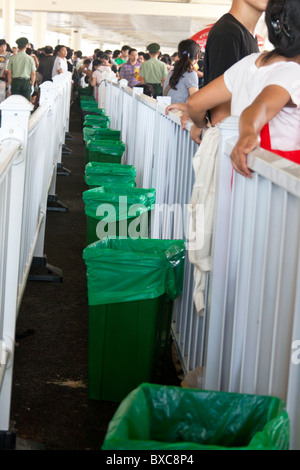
[(54, 205), (42, 271), (61, 170), (8, 439), (70, 137)]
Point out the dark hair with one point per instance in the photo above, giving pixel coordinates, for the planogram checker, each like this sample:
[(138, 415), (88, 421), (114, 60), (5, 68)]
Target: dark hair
[(132, 50), (147, 56), (2, 42), (166, 59), (125, 48), (78, 54), (188, 50), (87, 61), (69, 53), (29, 51), (283, 22), (96, 63), (48, 50), (116, 53), (102, 55)]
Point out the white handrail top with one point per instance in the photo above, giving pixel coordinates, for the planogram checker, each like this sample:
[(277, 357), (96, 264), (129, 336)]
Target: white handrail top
[(9, 150)]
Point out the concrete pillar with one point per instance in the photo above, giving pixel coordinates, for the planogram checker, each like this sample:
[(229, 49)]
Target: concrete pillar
[(76, 39), (8, 16), (39, 29)]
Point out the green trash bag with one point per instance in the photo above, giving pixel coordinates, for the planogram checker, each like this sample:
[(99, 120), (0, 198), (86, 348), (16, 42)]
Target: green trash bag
[(125, 270), (96, 121), (88, 103), (92, 111), (105, 151), (175, 418), (100, 134), (87, 91), (103, 174)]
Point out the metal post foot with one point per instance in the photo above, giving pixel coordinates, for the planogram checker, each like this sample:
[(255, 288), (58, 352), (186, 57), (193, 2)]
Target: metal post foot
[(66, 150), (61, 170), (70, 137), (54, 205), (42, 271)]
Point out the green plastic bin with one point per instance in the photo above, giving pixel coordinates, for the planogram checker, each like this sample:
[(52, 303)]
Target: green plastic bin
[(101, 134), (178, 419), (105, 151), (103, 174), (96, 121), (118, 211), (131, 288)]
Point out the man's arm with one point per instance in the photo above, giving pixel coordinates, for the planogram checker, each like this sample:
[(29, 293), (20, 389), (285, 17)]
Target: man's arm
[(32, 78)]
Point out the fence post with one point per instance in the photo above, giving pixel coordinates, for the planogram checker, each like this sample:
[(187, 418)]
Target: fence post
[(49, 96), (15, 124)]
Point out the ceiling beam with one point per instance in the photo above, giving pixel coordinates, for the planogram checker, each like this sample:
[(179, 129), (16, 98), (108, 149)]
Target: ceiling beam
[(169, 9)]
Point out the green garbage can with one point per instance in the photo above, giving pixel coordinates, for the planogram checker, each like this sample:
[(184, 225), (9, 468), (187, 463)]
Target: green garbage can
[(105, 151), (178, 419), (96, 121), (131, 288), (100, 134), (103, 174), (118, 211)]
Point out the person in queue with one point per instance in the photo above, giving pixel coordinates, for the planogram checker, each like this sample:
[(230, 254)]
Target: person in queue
[(264, 90), (21, 71), (182, 80)]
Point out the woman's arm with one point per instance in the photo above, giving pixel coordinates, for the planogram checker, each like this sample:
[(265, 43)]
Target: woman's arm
[(267, 104)]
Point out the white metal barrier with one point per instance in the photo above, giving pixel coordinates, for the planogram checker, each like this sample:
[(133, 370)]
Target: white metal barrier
[(244, 342), (254, 315), (31, 146), (166, 165)]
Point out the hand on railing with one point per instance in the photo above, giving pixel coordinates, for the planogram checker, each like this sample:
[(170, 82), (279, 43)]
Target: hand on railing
[(184, 117), (244, 145)]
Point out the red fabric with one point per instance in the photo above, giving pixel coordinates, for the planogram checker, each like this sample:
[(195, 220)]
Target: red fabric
[(265, 143)]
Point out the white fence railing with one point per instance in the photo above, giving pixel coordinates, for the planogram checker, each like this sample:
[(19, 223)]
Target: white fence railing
[(244, 340), (31, 146)]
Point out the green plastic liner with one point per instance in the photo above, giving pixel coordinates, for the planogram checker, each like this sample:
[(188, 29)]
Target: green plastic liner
[(120, 199), (96, 121), (90, 104), (103, 174), (123, 270), (94, 111), (105, 151), (100, 134), (174, 418)]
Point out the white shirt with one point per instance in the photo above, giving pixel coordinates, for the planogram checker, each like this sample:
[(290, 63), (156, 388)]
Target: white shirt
[(246, 81), (59, 63)]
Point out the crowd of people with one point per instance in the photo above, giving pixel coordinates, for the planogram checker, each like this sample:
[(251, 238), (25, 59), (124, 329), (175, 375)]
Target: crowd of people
[(231, 77), (23, 68)]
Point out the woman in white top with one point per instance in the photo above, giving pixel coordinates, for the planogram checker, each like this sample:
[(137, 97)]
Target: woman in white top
[(101, 69), (264, 90)]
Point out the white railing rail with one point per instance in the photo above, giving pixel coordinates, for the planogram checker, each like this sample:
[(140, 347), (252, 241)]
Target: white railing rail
[(27, 178), (243, 342), (12, 177)]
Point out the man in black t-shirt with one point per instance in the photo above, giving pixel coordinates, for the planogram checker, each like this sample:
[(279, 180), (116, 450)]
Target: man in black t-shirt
[(229, 40)]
